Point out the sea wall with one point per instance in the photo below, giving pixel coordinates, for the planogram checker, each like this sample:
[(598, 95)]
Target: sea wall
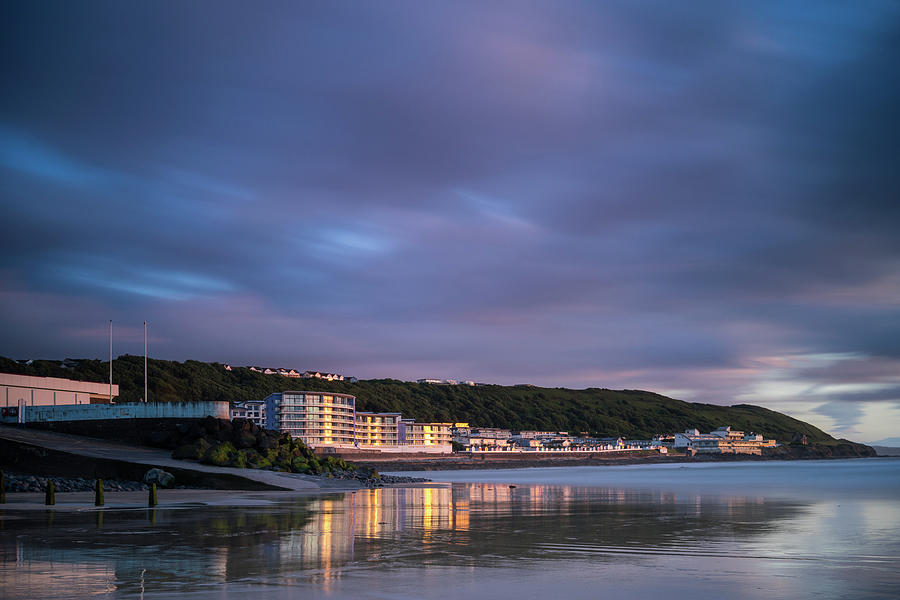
[(98, 412)]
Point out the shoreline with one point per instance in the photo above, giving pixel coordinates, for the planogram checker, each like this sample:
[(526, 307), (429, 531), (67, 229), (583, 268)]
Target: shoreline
[(457, 463)]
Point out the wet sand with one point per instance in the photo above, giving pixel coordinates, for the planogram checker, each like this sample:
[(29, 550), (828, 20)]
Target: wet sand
[(177, 498)]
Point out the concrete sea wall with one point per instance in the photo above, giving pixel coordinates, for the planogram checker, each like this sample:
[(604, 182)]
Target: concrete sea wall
[(98, 412)]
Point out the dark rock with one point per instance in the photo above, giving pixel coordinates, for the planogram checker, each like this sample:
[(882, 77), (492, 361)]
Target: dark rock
[(223, 434), (159, 477), (245, 439), (241, 425), (267, 442)]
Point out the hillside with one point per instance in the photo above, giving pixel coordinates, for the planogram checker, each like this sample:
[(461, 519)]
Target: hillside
[(631, 413)]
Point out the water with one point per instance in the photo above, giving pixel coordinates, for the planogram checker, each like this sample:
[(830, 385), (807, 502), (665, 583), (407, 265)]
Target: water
[(827, 529)]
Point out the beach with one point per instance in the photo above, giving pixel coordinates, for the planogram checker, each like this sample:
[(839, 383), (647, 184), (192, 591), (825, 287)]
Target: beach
[(748, 530)]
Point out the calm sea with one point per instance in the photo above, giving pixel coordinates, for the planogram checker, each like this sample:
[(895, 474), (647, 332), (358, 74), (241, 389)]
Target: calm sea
[(828, 529)]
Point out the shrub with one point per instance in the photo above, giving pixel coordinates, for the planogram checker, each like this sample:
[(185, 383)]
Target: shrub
[(239, 460), (219, 455)]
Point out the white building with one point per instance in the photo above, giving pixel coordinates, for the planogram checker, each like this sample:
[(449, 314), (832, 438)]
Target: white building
[(26, 390), (252, 410), (722, 441)]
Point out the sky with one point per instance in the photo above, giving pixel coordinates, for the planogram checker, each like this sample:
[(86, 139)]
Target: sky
[(698, 199)]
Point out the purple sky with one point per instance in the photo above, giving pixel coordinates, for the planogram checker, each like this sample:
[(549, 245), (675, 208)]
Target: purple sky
[(699, 199)]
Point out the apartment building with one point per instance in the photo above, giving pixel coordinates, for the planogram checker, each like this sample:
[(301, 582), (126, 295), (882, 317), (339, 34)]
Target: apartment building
[(317, 418), (424, 434), (377, 429), (252, 410)]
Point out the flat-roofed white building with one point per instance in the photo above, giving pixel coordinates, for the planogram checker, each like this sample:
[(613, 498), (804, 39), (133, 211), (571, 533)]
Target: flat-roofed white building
[(252, 410), (27, 390), (722, 441)]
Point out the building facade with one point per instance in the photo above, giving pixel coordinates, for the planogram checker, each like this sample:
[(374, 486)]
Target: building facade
[(377, 429), (424, 434), (722, 441), (317, 418), (252, 410), (25, 390)]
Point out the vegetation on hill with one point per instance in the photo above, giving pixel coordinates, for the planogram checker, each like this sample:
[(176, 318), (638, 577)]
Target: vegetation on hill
[(630, 413)]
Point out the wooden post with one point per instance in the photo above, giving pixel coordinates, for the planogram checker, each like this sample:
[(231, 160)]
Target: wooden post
[(152, 501), (50, 495), (98, 493)]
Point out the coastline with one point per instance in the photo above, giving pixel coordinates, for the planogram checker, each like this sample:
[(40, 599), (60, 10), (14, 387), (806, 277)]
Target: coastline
[(454, 463)]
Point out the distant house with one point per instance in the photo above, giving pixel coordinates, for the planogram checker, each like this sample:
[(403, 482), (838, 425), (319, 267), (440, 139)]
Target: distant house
[(616, 443), (321, 375), (722, 441)]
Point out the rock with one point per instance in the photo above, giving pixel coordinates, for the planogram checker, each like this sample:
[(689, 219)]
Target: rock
[(159, 477), (223, 434), (245, 439), (267, 442)]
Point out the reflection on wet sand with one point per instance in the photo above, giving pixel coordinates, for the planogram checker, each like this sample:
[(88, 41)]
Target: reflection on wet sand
[(316, 540)]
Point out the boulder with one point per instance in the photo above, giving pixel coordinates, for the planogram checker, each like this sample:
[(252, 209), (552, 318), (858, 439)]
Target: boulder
[(267, 441), (223, 434), (240, 424), (194, 450), (159, 477), (245, 439)]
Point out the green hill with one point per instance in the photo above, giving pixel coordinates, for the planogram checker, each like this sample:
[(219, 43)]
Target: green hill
[(630, 413)]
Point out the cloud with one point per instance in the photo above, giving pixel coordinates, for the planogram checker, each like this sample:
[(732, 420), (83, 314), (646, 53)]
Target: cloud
[(690, 198)]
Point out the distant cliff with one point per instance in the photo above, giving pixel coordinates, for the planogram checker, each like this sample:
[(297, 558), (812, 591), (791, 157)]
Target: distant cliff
[(631, 413)]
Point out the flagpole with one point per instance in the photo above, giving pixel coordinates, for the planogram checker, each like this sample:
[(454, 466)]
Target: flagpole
[(146, 399), (110, 361)]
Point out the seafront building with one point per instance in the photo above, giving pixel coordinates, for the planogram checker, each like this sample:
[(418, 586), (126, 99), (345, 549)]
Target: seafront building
[(252, 410), (424, 434), (317, 418), (377, 429), (330, 420), (721, 441), (26, 390)]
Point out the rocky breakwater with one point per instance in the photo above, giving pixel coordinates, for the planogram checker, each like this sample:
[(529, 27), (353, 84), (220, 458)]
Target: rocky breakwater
[(242, 444), (18, 482)]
